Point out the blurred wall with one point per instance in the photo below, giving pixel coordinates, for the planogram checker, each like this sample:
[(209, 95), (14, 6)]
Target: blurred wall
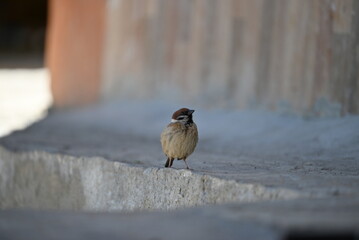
[(287, 55)]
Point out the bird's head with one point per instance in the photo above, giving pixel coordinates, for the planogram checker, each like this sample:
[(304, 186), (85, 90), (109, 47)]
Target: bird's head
[(183, 115)]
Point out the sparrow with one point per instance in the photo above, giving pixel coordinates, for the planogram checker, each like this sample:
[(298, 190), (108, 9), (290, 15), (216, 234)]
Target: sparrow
[(180, 137)]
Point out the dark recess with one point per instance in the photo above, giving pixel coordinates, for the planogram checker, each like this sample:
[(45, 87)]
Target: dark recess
[(22, 32), (324, 235)]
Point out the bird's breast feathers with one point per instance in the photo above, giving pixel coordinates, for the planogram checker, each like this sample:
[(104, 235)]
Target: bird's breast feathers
[(179, 140)]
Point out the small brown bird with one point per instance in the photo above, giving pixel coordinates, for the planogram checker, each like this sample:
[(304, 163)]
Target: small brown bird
[(180, 137)]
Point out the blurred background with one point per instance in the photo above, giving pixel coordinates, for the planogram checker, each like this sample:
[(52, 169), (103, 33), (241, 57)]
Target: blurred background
[(296, 57)]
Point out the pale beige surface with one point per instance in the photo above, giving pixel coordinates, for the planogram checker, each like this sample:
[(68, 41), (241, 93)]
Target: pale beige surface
[(24, 97)]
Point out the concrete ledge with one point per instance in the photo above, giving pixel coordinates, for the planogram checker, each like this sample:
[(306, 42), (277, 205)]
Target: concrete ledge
[(53, 181), (281, 174)]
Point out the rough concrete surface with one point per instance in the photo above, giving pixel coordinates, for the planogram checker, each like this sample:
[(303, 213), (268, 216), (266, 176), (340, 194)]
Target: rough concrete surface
[(42, 180), (108, 158)]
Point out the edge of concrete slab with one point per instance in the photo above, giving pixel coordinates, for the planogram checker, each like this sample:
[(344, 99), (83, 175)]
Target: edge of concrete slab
[(42, 180)]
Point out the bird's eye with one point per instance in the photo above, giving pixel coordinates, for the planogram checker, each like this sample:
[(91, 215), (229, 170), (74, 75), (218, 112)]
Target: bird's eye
[(180, 118)]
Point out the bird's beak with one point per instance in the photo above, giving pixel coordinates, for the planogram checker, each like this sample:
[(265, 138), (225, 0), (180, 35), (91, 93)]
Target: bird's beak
[(190, 112)]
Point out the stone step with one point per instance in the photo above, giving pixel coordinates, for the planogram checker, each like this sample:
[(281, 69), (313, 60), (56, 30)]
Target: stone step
[(43, 180), (279, 220)]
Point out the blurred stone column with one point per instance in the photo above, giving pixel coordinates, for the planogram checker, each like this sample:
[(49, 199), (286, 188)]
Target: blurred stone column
[(74, 50)]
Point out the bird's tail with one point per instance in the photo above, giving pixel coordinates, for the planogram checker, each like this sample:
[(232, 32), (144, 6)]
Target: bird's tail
[(168, 162)]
